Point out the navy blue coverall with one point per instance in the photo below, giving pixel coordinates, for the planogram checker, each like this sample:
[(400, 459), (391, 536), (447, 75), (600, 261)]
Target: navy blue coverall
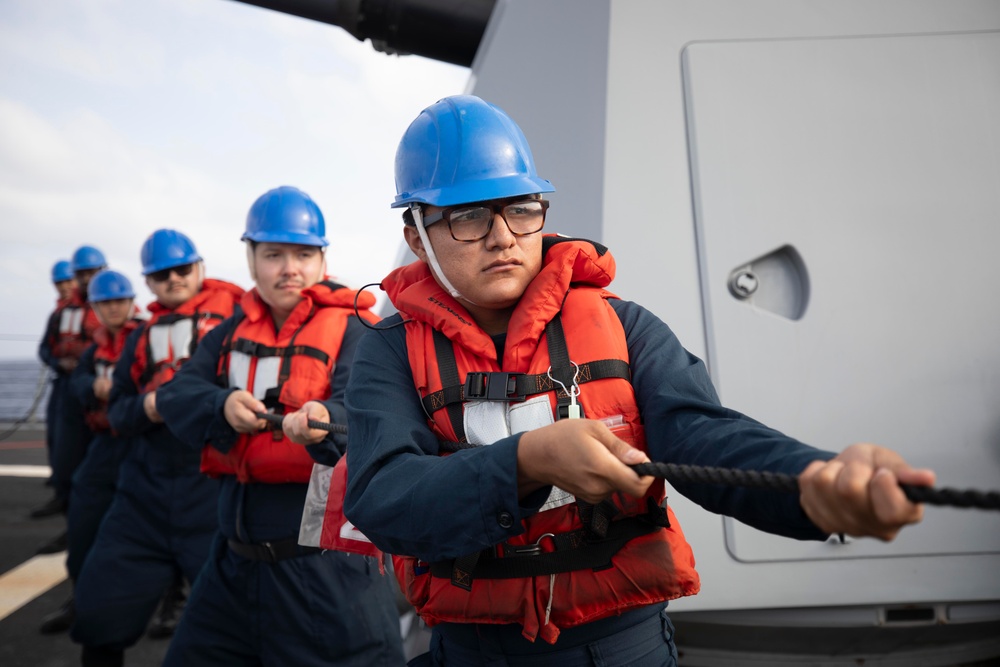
[(160, 520), (96, 477), (67, 435), (59, 379), (684, 424), (320, 608)]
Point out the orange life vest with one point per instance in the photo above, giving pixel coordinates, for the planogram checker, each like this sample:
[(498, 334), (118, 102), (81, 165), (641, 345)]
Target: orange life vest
[(76, 322), (284, 370), (172, 334), (575, 562), (106, 355)]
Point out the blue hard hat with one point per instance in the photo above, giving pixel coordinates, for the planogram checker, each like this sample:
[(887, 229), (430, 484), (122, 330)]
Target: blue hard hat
[(62, 270), (108, 285), (285, 215), (463, 149), (165, 249), (87, 257)]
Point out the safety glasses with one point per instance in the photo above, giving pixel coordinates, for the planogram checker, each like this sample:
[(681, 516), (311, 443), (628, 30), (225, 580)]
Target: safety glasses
[(164, 274)]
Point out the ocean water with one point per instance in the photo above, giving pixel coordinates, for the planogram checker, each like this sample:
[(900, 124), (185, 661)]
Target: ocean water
[(20, 382)]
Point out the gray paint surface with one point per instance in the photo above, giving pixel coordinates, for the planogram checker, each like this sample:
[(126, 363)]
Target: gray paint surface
[(694, 137)]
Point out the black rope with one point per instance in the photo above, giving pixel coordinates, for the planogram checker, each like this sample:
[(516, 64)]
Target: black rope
[(673, 472), (323, 426), (774, 481)]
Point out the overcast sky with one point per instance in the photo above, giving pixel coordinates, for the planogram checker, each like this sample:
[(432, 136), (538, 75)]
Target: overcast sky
[(120, 117)]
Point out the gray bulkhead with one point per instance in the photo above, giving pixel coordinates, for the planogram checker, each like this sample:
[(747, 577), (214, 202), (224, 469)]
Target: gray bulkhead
[(841, 162)]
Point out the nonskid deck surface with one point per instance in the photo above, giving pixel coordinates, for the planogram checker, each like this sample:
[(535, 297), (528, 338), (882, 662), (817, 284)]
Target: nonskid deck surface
[(40, 582)]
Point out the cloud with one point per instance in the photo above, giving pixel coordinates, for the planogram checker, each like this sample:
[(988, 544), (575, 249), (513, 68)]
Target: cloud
[(118, 118)]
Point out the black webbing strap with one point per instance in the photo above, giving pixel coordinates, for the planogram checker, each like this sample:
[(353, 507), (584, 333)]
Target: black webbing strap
[(563, 369), (259, 350), (227, 344), (569, 552), (448, 369), (198, 317), (498, 386), (152, 367), (330, 285), (597, 518)]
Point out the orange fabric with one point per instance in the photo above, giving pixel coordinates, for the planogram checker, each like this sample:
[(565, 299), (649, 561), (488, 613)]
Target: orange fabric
[(205, 310), (317, 322), (649, 569), (106, 355), (72, 343)]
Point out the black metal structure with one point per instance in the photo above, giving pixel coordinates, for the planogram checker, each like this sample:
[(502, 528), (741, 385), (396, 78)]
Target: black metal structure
[(445, 30)]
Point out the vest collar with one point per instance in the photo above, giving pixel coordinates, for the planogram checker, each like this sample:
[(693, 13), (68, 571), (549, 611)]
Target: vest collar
[(414, 292)]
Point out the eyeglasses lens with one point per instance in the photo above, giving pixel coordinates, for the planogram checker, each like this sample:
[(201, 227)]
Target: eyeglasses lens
[(164, 275), (474, 222)]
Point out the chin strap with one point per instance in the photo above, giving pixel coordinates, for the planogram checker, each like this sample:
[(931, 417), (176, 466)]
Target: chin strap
[(418, 220)]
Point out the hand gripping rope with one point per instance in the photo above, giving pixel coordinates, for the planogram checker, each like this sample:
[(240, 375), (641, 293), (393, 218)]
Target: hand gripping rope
[(676, 473)]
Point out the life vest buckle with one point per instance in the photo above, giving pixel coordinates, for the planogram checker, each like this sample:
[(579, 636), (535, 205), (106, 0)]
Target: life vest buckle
[(250, 347), (492, 387)]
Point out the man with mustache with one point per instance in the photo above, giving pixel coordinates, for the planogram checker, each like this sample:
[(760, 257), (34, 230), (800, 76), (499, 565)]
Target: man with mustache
[(161, 520), (262, 599), (493, 420)]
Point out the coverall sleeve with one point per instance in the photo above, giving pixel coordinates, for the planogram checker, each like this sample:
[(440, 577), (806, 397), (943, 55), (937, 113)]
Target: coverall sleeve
[(81, 382), (400, 493), (329, 450), (192, 402), (686, 424), (126, 413), (45, 345)]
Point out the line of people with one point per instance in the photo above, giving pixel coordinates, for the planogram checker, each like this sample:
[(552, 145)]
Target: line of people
[(84, 336), (150, 507), (491, 425)]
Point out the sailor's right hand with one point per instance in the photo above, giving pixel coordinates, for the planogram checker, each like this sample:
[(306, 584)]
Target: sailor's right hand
[(149, 405), (241, 410), (580, 456), (102, 388), (67, 364)]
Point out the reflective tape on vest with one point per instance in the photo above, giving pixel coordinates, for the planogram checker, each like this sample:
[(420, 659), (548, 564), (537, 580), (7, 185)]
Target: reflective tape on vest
[(254, 374), (71, 321), (171, 341)]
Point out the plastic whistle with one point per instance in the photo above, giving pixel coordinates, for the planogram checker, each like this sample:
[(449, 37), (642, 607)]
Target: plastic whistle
[(574, 407)]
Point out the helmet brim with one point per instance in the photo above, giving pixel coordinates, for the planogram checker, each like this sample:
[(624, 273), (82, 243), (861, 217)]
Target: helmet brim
[(286, 237), (473, 191)]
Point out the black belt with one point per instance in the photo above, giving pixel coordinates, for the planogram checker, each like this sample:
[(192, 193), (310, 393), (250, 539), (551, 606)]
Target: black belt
[(271, 552)]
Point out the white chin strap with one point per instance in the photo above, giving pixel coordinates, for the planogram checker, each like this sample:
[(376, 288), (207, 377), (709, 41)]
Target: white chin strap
[(418, 220)]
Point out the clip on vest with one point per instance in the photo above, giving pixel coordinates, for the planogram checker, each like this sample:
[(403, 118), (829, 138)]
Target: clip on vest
[(493, 386)]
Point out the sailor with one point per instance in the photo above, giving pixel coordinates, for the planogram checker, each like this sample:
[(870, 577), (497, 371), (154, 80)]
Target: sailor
[(65, 284), (74, 334), (532, 542), (111, 296), (263, 599), (161, 519)]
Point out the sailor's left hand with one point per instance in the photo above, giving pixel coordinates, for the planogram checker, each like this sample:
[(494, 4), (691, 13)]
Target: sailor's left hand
[(296, 427), (858, 492)]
